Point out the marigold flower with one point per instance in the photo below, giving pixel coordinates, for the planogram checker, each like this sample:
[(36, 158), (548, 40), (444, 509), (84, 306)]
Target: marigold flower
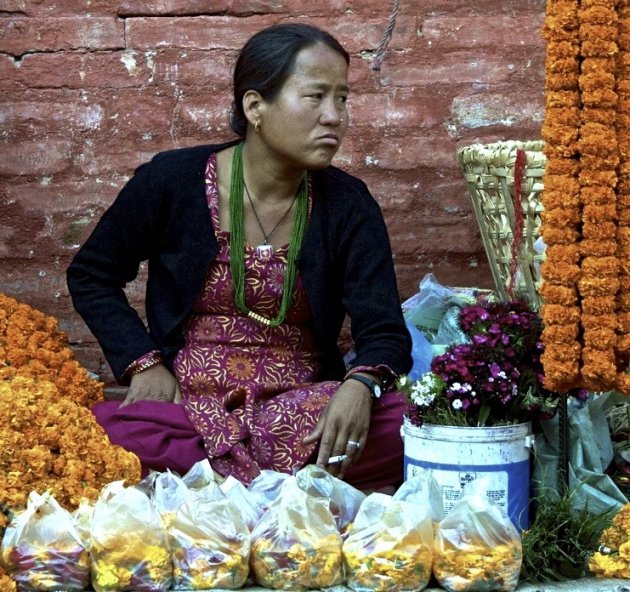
[(599, 305), (597, 196), (560, 273), (561, 334), (556, 294), (598, 248)]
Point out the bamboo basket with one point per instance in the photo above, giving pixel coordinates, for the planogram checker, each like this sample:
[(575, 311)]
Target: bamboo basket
[(489, 173)]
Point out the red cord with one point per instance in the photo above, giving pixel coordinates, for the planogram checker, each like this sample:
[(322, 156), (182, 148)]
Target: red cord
[(517, 238)]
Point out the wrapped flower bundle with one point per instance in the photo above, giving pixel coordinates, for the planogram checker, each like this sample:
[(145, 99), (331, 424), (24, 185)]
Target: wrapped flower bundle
[(478, 567), (296, 545), (477, 548), (210, 544), (390, 546), (129, 546), (43, 550)]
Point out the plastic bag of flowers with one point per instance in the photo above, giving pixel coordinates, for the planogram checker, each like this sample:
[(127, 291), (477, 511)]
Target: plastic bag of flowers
[(389, 547), (251, 511), (167, 492), (210, 543), (296, 545), (82, 519), (423, 489), (266, 487), (129, 548), (343, 499), (200, 475), (477, 548), (43, 550)]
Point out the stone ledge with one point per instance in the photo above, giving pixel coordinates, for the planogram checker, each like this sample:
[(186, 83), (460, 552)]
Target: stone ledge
[(583, 585)]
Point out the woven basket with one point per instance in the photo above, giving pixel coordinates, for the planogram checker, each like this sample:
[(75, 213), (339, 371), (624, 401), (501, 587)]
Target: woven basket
[(489, 173)]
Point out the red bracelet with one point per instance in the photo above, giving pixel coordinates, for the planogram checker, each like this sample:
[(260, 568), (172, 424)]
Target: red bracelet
[(381, 372), (148, 360)]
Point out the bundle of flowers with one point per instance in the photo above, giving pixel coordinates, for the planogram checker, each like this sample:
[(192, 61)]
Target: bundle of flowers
[(475, 566), (585, 224), (496, 378), (612, 560)]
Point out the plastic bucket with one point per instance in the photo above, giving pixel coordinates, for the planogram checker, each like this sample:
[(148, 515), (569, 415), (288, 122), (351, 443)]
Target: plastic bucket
[(457, 455)]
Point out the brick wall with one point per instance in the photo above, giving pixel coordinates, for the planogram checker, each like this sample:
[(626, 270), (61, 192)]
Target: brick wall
[(90, 89)]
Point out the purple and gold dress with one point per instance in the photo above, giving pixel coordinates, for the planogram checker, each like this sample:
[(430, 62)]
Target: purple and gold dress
[(250, 392)]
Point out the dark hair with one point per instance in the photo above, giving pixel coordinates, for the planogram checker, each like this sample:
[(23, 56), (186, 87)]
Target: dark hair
[(266, 61)]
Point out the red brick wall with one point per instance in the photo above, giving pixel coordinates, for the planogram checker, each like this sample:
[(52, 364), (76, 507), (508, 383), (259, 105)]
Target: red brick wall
[(90, 89)]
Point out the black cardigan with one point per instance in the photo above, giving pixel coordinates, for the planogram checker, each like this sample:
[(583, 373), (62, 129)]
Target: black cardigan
[(161, 215)]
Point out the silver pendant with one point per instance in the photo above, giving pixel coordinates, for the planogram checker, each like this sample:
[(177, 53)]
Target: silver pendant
[(264, 252)]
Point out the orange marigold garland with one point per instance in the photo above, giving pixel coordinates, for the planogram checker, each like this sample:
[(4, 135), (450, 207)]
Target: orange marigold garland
[(623, 193), (599, 159), (586, 197), (561, 217)]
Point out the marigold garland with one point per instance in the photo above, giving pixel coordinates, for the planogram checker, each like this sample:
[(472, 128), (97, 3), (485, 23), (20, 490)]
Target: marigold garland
[(585, 279)]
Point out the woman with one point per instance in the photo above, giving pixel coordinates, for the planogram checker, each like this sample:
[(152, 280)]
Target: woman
[(257, 249)]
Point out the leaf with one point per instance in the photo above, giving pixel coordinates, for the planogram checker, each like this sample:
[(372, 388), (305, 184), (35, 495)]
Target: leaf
[(484, 413)]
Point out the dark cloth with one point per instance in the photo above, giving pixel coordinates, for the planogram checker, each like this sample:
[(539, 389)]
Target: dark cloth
[(161, 216)]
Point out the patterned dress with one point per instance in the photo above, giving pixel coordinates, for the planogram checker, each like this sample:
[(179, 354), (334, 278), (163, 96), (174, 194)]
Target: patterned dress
[(248, 389), (250, 392)]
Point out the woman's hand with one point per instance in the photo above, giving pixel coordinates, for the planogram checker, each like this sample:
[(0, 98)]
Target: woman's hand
[(156, 383), (344, 422)]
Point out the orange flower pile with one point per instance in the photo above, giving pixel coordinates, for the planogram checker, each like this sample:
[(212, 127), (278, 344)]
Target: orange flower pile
[(31, 344), (49, 438), (585, 277)]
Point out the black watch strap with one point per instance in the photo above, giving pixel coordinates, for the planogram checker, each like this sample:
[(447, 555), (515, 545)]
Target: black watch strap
[(376, 390)]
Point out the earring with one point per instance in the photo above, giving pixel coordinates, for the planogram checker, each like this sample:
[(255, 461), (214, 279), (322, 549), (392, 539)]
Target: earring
[(257, 126), (341, 120)]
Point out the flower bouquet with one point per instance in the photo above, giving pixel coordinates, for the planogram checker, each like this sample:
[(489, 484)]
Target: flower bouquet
[(494, 378)]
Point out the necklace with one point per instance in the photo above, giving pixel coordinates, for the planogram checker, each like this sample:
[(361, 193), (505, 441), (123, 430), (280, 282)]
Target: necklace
[(265, 251), (237, 243)]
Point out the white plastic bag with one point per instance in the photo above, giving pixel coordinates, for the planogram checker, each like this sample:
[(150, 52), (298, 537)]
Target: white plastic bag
[(43, 550), (251, 511), (477, 548), (343, 499), (389, 547), (129, 548), (210, 544), (296, 545)]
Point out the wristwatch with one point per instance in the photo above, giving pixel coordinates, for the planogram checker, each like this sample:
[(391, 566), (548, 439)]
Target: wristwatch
[(375, 388)]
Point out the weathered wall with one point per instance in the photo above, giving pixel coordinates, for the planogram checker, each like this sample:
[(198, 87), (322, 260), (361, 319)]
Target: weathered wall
[(92, 88)]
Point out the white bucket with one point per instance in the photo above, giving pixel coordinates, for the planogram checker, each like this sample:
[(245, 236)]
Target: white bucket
[(457, 455)]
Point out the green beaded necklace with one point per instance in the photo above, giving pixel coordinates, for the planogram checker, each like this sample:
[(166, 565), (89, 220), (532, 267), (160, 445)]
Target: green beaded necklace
[(237, 244)]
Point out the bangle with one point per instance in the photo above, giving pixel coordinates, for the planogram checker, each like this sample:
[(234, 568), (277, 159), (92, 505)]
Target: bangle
[(381, 372), (148, 360)]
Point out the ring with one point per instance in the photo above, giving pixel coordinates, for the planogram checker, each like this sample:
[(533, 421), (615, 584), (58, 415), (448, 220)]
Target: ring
[(354, 443)]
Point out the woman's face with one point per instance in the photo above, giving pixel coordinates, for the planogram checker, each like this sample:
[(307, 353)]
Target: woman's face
[(306, 122)]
